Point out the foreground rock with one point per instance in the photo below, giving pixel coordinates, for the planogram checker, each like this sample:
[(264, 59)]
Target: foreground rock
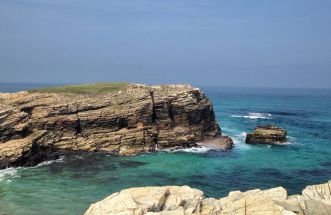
[(39, 125), (268, 134), (175, 200)]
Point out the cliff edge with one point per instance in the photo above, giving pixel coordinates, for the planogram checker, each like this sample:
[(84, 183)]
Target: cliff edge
[(107, 117)]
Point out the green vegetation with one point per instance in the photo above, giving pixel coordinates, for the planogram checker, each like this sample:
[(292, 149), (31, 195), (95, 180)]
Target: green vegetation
[(93, 88)]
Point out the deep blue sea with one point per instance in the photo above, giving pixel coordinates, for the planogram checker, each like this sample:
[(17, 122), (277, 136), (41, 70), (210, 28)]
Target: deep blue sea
[(71, 184)]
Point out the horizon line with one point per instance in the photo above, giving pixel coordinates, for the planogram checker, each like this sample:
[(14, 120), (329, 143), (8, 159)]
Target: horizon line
[(198, 85)]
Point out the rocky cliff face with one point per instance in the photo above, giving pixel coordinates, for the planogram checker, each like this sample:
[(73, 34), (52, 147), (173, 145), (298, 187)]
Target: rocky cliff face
[(174, 200), (35, 126)]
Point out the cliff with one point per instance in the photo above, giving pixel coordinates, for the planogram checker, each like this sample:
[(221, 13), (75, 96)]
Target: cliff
[(175, 200), (111, 117)]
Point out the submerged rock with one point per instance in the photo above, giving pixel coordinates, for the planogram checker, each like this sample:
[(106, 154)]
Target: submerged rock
[(113, 118), (268, 134), (315, 200)]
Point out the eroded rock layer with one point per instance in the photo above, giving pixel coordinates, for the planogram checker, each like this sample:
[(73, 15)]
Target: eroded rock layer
[(175, 200), (267, 134), (39, 125)]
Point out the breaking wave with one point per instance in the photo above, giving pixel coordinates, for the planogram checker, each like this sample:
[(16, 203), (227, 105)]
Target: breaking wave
[(8, 174), (197, 150), (45, 163), (239, 141), (252, 115)]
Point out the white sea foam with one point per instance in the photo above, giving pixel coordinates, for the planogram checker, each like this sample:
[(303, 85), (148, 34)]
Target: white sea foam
[(290, 141), (7, 174), (198, 150), (239, 141), (45, 163), (243, 134), (291, 138), (252, 115)]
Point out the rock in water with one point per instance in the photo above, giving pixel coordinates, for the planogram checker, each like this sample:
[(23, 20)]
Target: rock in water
[(268, 134), (184, 200), (223, 143), (107, 117)]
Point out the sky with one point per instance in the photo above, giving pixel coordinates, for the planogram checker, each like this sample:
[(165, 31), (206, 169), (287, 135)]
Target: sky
[(254, 43)]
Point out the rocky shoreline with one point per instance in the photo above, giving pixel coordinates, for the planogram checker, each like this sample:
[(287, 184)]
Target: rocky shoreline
[(127, 119), (183, 200)]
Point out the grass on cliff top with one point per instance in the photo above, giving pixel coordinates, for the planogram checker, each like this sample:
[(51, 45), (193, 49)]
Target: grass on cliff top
[(95, 88)]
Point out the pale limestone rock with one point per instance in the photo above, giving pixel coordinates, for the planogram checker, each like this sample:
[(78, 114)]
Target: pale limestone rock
[(178, 211), (210, 206), (321, 192), (253, 202), (150, 200), (316, 199), (185, 200), (174, 200)]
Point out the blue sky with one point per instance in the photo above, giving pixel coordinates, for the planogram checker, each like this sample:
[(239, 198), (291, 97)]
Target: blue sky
[(276, 43)]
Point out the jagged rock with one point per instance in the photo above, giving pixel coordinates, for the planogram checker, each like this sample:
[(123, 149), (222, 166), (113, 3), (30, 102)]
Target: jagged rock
[(316, 199), (188, 201), (253, 202), (268, 134), (137, 118), (150, 200)]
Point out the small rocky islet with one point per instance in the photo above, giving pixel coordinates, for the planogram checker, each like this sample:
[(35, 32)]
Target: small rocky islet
[(267, 134), (118, 118)]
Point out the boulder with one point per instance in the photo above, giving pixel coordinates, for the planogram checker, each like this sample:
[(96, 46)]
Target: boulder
[(219, 143), (268, 134)]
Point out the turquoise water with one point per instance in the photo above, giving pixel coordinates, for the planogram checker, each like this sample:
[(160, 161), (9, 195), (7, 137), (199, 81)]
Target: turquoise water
[(71, 184)]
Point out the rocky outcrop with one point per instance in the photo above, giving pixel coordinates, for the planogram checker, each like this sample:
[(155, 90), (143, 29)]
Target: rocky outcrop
[(268, 134), (175, 200), (35, 126)]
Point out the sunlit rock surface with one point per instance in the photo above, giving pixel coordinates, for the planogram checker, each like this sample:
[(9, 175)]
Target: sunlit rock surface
[(315, 200)]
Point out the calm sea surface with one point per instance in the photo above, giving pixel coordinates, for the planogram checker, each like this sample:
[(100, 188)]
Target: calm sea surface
[(71, 184)]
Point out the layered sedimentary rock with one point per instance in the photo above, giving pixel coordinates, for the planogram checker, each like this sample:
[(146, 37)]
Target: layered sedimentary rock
[(268, 134), (175, 200), (35, 126)]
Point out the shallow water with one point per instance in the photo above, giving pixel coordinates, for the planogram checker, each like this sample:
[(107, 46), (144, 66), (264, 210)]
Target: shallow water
[(71, 184)]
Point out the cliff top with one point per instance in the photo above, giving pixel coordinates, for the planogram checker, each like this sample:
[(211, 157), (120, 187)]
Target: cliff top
[(92, 88), (108, 87)]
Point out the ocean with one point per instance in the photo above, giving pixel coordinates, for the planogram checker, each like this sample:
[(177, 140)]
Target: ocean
[(69, 185)]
